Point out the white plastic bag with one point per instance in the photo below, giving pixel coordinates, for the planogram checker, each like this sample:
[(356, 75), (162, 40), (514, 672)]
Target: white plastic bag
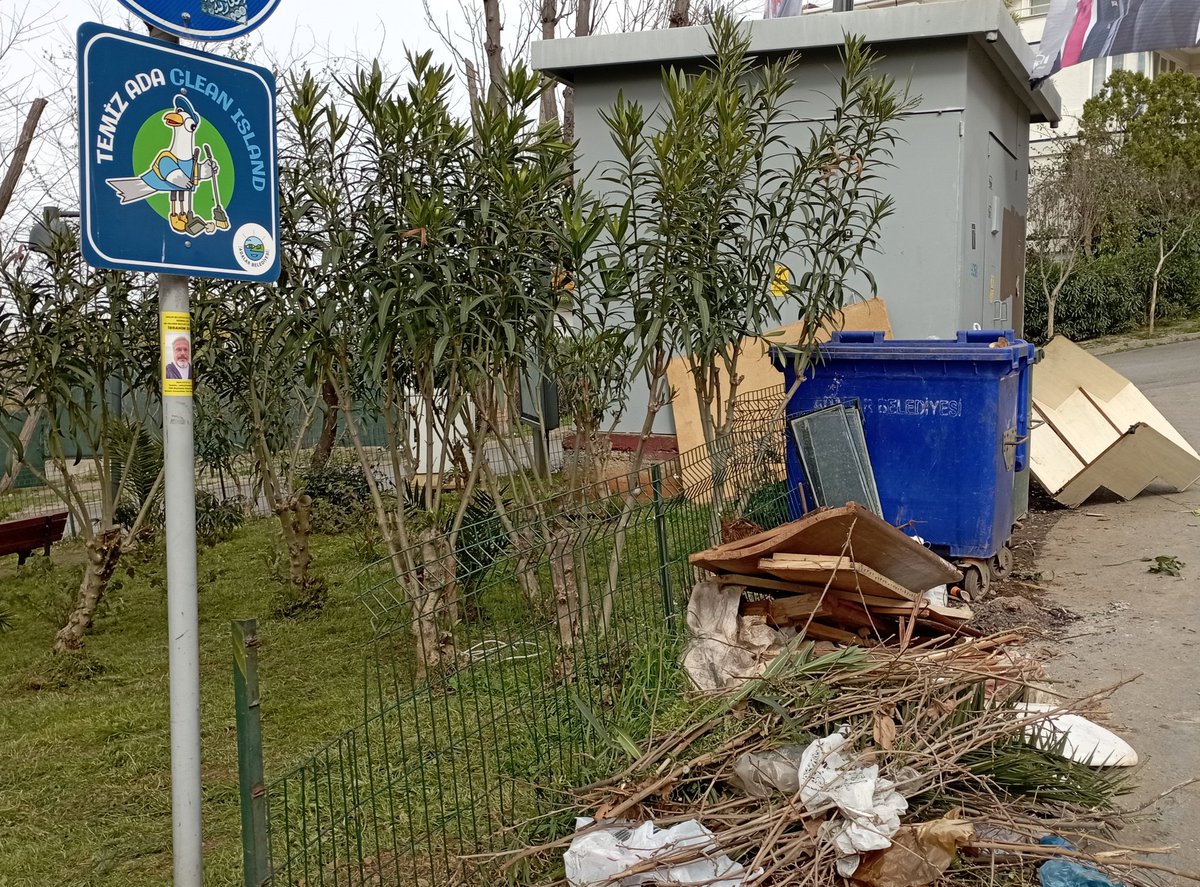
[(870, 804), (602, 855), (1083, 741)]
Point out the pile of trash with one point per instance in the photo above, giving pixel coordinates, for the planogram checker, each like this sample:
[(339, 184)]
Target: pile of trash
[(886, 767), (844, 728), (840, 575)]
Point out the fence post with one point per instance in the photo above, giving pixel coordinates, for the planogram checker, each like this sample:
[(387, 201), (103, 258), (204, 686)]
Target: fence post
[(252, 790), (660, 535)]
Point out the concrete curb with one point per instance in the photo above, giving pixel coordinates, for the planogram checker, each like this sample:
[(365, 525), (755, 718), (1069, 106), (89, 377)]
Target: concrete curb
[(1137, 344)]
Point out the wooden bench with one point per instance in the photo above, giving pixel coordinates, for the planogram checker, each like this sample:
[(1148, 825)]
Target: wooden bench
[(23, 537)]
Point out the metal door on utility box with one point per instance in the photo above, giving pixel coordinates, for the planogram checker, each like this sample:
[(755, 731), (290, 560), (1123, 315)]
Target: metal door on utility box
[(1004, 243)]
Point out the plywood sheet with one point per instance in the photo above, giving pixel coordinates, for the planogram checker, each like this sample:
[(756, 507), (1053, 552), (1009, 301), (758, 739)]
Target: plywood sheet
[(755, 365), (1097, 431), (1131, 464), (1129, 406), (1051, 459), (1089, 431), (872, 541), (1065, 368)]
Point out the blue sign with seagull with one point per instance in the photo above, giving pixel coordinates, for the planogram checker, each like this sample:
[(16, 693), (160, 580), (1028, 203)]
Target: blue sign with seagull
[(203, 19), (177, 159)]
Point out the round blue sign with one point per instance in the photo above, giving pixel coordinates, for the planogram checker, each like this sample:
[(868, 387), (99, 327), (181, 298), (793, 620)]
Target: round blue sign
[(203, 19)]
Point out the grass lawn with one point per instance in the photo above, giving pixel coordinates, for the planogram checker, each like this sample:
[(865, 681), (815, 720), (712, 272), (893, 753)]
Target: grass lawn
[(85, 761)]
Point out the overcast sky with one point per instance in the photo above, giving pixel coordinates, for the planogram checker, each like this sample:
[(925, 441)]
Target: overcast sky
[(42, 63), (299, 28)]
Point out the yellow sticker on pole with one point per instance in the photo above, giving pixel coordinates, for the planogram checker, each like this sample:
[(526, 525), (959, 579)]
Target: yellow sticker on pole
[(176, 329), (779, 286)]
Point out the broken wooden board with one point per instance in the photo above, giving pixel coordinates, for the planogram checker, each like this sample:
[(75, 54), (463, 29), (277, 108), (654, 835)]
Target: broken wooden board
[(835, 572), (786, 610), (823, 632), (1093, 428), (755, 367), (891, 607), (768, 586), (846, 530)]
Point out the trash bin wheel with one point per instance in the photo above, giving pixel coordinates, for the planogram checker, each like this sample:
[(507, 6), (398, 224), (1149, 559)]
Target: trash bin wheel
[(977, 579), (1002, 563)]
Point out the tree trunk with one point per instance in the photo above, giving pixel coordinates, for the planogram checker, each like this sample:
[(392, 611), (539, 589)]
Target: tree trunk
[(680, 14), (493, 50), (472, 83), (307, 593), (525, 564), (429, 590), (1050, 303), (1162, 260), (295, 517), (324, 446), (550, 19), (103, 552), (583, 28), (569, 609)]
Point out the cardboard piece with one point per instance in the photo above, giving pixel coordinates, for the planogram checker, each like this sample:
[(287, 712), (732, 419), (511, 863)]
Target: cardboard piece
[(755, 367), (1094, 428)]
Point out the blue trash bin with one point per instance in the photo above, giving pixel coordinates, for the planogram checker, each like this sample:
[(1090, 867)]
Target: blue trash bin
[(946, 423)]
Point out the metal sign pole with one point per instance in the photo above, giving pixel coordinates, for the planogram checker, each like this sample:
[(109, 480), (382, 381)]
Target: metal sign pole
[(209, 122), (183, 610)]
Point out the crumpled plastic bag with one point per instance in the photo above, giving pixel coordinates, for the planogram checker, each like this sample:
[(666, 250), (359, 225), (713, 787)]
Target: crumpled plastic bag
[(870, 805), (1075, 737), (1063, 872), (763, 774), (919, 854), (725, 649), (601, 856)]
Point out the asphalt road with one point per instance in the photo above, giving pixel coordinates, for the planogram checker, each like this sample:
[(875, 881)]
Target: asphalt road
[(1170, 376), (1138, 626)]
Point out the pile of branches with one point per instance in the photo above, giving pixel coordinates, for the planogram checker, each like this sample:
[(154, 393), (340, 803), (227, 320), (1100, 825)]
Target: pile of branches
[(941, 725)]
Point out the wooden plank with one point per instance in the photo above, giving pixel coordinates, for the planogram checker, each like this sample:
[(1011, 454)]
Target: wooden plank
[(849, 576), (787, 610), (768, 585), (817, 561), (873, 543), (824, 632), (1129, 406), (892, 607)]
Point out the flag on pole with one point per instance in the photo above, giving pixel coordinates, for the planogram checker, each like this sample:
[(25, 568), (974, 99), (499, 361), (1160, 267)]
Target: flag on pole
[(1079, 30)]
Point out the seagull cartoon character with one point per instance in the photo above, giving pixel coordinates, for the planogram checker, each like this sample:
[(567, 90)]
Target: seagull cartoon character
[(177, 171)]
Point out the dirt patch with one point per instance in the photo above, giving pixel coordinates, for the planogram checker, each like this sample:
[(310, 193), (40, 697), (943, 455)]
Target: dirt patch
[(1017, 611), (1019, 600)]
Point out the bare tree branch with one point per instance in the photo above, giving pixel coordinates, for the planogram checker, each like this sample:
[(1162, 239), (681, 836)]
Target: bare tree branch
[(13, 174)]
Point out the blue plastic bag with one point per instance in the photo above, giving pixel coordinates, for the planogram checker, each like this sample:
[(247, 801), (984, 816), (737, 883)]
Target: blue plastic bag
[(1063, 872)]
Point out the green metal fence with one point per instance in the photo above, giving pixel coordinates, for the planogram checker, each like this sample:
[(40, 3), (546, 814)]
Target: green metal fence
[(477, 721)]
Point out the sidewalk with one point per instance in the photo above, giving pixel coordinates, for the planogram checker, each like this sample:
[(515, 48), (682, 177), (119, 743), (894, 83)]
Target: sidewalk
[(1135, 622)]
